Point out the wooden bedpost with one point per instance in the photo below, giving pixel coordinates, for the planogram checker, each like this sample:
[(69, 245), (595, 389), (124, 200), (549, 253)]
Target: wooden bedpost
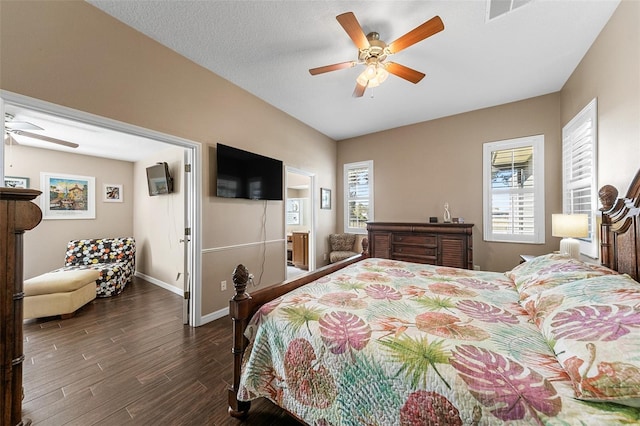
[(239, 313), (608, 195)]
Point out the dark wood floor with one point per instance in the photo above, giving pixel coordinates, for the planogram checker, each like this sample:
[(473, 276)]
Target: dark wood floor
[(129, 360)]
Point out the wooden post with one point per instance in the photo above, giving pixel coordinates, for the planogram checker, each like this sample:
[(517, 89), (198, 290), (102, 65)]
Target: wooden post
[(239, 313), (17, 215)]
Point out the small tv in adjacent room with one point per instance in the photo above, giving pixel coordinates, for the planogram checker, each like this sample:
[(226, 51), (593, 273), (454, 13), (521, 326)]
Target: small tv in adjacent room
[(244, 174), (159, 179)]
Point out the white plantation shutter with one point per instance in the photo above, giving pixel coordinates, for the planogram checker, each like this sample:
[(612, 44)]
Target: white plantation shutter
[(513, 190), (579, 160), (358, 196)]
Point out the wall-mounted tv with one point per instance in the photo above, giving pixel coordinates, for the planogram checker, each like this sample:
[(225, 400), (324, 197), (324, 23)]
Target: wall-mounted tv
[(159, 179), (243, 174)]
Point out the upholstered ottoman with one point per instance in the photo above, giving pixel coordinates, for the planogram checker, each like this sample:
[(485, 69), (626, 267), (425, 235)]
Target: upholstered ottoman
[(59, 293)]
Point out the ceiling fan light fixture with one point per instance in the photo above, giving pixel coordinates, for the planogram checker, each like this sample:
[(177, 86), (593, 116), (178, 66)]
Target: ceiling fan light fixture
[(373, 76)]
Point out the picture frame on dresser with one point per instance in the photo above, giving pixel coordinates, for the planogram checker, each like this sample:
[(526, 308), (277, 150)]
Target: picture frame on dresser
[(16, 182)]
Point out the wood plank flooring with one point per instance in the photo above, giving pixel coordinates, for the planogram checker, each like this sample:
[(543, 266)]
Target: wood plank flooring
[(129, 360)]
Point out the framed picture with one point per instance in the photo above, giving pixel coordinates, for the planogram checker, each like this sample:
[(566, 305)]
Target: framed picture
[(112, 193), (67, 196), (16, 182), (325, 198)]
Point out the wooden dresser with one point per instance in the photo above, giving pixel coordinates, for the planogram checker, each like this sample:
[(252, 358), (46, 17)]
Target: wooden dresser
[(17, 214), (300, 255), (444, 244)]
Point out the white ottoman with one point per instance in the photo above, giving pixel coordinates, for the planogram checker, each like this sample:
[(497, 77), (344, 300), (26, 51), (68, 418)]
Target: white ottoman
[(59, 293)]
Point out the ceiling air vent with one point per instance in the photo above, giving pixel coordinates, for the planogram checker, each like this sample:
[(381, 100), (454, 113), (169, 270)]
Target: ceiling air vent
[(496, 8)]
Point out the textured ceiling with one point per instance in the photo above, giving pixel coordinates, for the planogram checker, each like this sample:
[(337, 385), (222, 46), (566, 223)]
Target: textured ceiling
[(267, 47)]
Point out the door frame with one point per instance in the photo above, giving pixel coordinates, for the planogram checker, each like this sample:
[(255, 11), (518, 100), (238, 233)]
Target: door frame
[(193, 184)]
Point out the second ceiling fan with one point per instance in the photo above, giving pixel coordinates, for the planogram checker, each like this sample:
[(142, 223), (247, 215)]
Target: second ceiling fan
[(25, 128), (373, 53)]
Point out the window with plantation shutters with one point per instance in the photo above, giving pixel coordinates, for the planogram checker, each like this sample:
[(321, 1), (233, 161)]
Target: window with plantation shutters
[(358, 196), (579, 159), (513, 180)]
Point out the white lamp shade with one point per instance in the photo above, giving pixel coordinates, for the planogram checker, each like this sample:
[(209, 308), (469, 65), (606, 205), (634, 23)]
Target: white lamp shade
[(570, 226)]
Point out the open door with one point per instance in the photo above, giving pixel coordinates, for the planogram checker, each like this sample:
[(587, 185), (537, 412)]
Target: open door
[(300, 219)]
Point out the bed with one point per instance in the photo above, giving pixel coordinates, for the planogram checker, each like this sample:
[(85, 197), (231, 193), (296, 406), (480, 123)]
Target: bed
[(369, 341)]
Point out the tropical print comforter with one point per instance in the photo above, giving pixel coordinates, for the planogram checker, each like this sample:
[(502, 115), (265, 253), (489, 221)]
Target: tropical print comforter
[(385, 342)]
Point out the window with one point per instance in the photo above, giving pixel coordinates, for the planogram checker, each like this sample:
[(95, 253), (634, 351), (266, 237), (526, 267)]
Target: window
[(513, 182), (358, 196), (579, 193)]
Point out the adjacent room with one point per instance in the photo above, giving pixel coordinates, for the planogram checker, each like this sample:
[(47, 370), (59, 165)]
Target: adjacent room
[(413, 198)]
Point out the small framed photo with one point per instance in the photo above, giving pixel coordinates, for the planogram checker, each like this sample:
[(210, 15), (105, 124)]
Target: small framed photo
[(325, 198), (112, 193), (16, 182), (67, 196)]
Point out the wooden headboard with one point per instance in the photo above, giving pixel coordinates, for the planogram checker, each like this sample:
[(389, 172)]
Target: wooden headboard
[(620, 229)]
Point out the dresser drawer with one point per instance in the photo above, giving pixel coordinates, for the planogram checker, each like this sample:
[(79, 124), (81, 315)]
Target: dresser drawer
[(424, 239), (428, 260), (411, 250)]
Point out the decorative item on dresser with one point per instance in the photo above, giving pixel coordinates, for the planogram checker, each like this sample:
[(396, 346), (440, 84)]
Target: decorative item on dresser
[(444, 244), (17, 215)]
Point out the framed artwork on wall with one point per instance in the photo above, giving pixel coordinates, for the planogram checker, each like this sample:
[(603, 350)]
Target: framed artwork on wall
[(67, 196), (112, 193), (16, 182), (325, 198)]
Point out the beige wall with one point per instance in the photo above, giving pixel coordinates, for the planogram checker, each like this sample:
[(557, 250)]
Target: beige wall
[(420, 167), (71, 54), (610, 71), (45, 246), (158, 221)]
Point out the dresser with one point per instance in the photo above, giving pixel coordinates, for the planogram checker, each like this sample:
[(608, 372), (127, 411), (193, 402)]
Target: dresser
[(300, 249), (17, 214), (443, 244)]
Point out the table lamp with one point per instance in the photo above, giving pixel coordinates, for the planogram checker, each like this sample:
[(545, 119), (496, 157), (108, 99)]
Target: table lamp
[(570, 227)]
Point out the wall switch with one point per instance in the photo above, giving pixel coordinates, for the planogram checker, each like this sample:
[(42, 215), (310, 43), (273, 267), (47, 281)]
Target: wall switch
[(324, 256), (223, 285)]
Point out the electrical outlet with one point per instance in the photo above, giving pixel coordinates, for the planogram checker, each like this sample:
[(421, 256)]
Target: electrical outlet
[(223, 285)]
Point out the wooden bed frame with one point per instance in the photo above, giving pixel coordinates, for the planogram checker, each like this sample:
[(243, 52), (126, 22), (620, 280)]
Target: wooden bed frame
[(619, 250)]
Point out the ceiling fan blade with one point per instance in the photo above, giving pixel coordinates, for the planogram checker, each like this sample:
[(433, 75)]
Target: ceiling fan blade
[(21, 125), (334, 67), (407, 73), (359, 90), (45, 138), (352, 27), (427, 29)]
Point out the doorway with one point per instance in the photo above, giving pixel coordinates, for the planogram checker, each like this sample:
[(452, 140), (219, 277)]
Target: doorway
[(299, 222), (191, 278)]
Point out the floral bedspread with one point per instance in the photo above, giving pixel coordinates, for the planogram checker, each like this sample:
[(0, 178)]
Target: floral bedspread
[(385, 342)]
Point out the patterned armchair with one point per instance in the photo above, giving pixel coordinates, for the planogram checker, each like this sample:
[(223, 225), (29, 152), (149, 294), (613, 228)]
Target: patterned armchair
[(115, 258), (342, 246)]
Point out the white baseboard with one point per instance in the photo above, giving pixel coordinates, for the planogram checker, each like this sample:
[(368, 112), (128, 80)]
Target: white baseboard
[(204, 319), (162, 284), (214, 316)]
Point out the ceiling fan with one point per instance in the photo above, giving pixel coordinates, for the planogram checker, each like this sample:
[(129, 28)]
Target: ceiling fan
[(24, 128), (373, 53)]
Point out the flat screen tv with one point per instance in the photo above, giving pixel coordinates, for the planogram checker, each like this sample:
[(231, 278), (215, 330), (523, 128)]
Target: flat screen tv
[(159, 179), (243, 174)]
